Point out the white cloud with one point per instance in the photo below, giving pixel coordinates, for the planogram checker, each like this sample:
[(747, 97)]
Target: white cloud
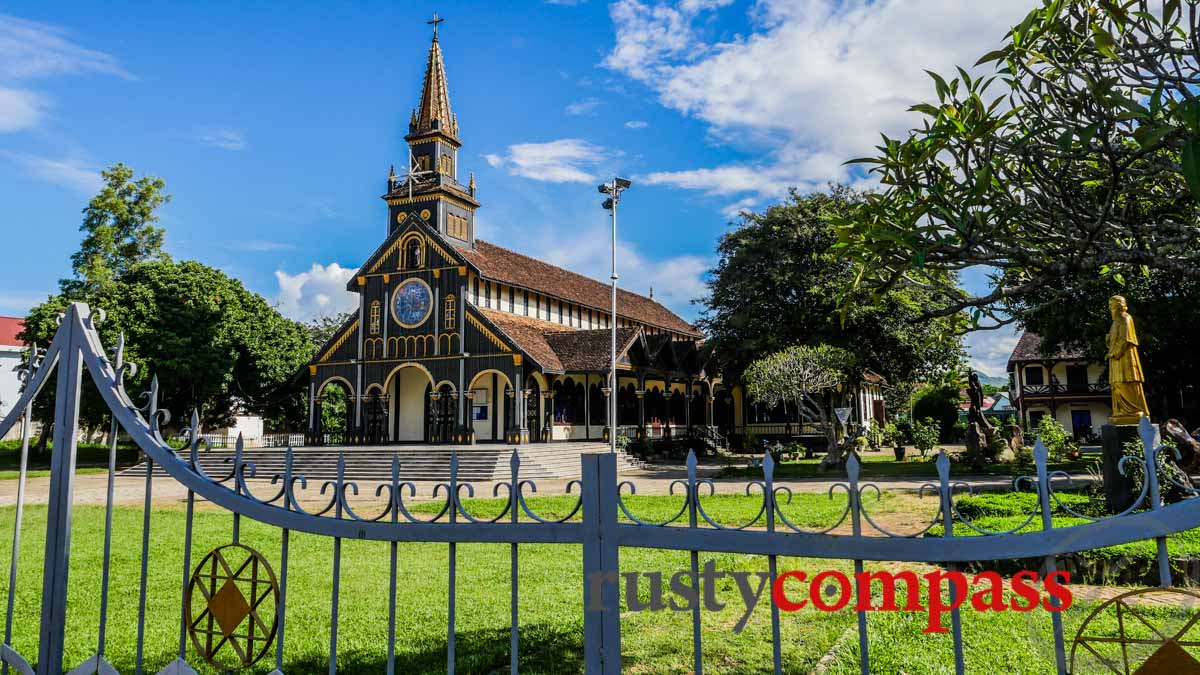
[(989, 349), (30, 49), (319, 291), (567, 160), (225, 139), (636, 124), (71, 173), (585, 107), (815, 81), (20, 109)]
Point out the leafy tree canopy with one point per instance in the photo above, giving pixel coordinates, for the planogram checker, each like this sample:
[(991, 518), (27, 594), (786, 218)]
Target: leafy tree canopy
[(1077, 155), (212, 344), (119, 231), (777, 284)]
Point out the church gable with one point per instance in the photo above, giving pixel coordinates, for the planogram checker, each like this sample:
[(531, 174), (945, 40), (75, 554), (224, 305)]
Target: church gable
[(414, 245), (343, 346)]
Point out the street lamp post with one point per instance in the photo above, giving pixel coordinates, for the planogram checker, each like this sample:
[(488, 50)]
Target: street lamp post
[(613, 189)]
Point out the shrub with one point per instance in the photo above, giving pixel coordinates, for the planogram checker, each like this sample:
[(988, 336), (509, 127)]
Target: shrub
[(925, 434), (940, 404), (1053, 436), (892, 435), (1023, 461), (876, 436), (1171, 479)]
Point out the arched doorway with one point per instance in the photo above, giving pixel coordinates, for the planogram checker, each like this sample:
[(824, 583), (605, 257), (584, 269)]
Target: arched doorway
[(533, 409), (490, 405), (335, 412), (408, 388), (723, 411), (375, 416), (443, 415)]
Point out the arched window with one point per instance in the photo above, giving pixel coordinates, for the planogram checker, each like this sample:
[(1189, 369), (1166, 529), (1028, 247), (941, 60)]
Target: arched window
[(451, 313), (413, 254), (374, 318)]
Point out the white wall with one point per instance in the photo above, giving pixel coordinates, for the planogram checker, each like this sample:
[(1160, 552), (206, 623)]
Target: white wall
[(10, 384), (408, 397), (495, 408)]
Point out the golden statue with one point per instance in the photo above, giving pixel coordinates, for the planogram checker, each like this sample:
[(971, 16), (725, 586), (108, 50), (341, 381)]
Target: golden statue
[(1124, 367)]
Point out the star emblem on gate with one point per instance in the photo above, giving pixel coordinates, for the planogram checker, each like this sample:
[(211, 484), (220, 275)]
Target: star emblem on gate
[(231, 602), (1142, 632)]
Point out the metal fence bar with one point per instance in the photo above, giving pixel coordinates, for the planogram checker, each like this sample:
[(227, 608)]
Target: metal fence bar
[(193, 461), (282, 609), (26, 425), (393, 498), (946, 499), (855, 497), (1040, 457), (108, 517), (694, 559), (1151, 450), (514, 583), (141, 623), (601, 566), (772, 562), (337, 568), (452, 581), (58, 518)]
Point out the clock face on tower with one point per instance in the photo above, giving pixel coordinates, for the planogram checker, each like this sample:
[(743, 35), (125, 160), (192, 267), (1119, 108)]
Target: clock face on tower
[(412, 303)]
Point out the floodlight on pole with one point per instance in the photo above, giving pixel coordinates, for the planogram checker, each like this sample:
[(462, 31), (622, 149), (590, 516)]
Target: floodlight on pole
[(613, 189)]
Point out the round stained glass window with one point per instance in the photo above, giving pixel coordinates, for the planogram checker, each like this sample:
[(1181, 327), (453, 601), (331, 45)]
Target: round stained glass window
[(412, 303)]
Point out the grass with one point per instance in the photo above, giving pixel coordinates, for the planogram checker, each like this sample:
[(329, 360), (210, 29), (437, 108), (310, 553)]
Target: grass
[(550, 601), (89, 458), (883, 464)]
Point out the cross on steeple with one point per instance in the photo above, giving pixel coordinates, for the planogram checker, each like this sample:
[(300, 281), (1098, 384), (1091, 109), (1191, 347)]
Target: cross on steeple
[(434, 22)]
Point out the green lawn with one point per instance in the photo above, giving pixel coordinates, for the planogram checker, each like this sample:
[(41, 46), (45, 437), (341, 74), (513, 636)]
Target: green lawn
[(884, 464), (550, 605), (88, 459)]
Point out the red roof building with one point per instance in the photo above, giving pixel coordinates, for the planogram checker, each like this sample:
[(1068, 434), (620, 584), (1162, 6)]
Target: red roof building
[(10, 327)]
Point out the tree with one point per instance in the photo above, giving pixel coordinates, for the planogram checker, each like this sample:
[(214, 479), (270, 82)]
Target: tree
[(321, 329), (777, 284), (1077, 154), (212, 344), (802, 376), (119, 231), (939, 404)]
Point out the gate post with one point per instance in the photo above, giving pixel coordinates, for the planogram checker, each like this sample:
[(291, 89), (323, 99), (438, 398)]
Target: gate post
[(601, 568), (62, 479)]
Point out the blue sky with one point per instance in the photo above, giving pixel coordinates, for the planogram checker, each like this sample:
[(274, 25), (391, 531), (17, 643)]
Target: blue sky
[(274, 124)]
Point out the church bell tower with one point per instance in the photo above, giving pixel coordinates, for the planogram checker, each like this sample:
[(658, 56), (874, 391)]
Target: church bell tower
[(431, 190)]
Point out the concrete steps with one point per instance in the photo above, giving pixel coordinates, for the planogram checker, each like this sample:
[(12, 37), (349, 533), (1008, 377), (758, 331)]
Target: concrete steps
[(476, 463)]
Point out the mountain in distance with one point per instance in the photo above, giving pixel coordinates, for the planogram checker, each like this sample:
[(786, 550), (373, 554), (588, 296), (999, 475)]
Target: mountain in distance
[(984, 378)]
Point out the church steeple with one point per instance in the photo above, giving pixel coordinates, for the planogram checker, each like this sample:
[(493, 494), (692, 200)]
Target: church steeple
[(430, 190), (433, 112)]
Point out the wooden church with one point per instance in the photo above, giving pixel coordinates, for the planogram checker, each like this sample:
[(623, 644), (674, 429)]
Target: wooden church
[(458, 340)]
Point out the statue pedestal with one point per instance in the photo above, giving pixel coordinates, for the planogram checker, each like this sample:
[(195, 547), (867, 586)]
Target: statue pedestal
[(1118, 489)]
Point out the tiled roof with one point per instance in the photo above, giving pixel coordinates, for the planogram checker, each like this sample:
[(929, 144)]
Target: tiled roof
[(588, 349), (529, 335), (10, 326), (871, 377), (557, 349), (1029, 348), (509, 267)]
